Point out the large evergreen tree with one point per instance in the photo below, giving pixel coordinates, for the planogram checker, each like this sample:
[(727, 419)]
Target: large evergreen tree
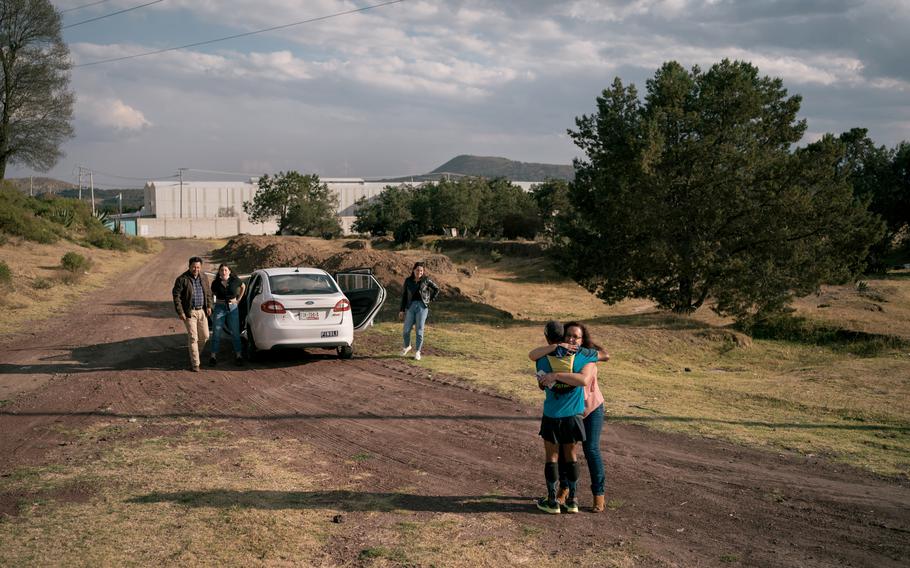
[(695, 193)]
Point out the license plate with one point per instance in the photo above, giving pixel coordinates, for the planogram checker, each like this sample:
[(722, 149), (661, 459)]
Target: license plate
[(333, 333), (308, 315)]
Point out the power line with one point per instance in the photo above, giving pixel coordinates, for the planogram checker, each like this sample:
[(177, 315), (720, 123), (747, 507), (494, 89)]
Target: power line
[(246, 174), (131, 178), (83, 6), (112, 14), (197, 44)]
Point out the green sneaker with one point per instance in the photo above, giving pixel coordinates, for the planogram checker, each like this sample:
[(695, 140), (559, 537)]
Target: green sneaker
[(571, 506), (548, 506)]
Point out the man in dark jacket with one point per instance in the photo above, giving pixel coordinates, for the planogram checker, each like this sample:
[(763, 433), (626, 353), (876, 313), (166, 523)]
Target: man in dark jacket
[(193, 302)]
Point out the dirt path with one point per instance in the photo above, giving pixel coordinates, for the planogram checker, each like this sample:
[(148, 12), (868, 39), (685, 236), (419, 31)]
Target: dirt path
[(684, 502)]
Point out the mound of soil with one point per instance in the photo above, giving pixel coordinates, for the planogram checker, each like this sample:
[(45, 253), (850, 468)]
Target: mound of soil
[(247, 253)]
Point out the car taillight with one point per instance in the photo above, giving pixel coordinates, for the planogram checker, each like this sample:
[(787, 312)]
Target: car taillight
[(273, 307), (342, 306)]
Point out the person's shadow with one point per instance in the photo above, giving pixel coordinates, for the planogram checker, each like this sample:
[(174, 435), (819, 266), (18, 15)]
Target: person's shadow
[(343, 501)]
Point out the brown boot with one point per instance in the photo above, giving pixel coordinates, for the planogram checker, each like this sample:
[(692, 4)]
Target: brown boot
[(598, 506), (562, 494)]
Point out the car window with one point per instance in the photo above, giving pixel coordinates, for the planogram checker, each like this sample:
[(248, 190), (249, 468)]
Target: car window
[(301, 284), (351, 282), (255, 287)]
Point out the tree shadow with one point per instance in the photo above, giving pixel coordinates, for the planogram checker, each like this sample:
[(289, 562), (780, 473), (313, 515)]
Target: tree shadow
[(655, 319), (350, 501), (161, 352)]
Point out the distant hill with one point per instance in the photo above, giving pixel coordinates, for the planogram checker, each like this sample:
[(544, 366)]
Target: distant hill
[(493, 167), (40, 184)]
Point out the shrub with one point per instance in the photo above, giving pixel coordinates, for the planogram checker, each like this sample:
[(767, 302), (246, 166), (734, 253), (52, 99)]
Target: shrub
[(42, 283), (6, 275), (407, 232), (495, 255), (18, 217), (75, 263), (101, 237)]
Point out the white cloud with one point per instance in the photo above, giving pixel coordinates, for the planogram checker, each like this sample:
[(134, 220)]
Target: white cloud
[(111, 113)]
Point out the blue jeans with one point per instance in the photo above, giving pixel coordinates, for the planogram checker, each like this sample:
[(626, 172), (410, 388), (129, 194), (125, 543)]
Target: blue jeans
[(232, 314), (416, 314), (594, 423)]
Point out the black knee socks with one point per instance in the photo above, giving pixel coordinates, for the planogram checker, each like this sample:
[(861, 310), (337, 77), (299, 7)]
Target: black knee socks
[(551, 473), (570, 472)]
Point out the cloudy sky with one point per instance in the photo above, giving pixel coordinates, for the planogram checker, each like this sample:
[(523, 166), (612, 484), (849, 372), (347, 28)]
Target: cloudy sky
[(401, 88)]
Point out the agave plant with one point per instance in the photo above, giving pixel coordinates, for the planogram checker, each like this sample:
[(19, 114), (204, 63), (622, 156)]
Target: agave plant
[(62, 215), (101, 216)]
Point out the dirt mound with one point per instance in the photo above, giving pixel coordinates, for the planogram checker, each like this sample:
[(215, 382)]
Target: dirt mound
[(247, 253)]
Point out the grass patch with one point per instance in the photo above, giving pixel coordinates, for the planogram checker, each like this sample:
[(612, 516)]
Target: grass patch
[(182, 500), (803, 330), (615, 504), (392, 554), (34, 294)]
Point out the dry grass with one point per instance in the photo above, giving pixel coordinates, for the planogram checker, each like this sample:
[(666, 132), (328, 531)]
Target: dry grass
[(879, 304), (203, 497), (41, 288)]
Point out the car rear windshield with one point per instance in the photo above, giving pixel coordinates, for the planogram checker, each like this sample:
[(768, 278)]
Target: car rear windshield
[(301, 284)]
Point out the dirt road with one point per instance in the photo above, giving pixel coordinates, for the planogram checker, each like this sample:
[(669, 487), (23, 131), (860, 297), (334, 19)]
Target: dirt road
[(684, 502)]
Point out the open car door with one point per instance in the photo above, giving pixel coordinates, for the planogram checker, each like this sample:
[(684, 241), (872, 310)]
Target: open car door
[(364, 292)]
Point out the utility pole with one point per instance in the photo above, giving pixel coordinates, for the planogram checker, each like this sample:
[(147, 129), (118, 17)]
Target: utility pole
[(80, 183), (180, 173), (91, 177), (31, 186)]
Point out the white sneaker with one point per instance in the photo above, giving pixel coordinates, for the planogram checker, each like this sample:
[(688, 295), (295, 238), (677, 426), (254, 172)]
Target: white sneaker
[(405, 350), (417, 355)]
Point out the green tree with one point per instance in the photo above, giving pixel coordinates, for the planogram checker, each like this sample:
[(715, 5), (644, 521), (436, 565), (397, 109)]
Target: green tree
[(696, 192), (385, 213), (875, 173), (301, 204), (456, 204), (36, 105), (506, 206), (552, 199)]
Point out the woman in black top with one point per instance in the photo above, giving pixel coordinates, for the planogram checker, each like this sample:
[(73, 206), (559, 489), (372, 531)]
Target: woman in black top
[(227, 290), (417, 292)]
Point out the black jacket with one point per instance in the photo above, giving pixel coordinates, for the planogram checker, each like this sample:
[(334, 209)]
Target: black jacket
[(224, 291), (427, 290), (183, 293)]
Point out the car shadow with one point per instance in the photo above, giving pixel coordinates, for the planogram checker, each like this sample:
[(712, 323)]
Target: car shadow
[(349, 501)]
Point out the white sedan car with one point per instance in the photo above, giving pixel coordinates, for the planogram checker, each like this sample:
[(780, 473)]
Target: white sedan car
[(307, 307)]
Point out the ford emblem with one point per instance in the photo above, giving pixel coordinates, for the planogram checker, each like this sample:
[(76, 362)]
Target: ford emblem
[(309, 302)]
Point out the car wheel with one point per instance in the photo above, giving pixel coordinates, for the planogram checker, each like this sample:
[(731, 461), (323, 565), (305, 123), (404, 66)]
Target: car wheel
[(252, 352), (345, 352)]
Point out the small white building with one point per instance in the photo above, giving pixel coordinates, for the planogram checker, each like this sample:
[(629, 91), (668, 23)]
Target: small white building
[(207, 209)]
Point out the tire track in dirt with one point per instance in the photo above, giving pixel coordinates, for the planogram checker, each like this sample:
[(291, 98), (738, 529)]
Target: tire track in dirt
[(684, 501)]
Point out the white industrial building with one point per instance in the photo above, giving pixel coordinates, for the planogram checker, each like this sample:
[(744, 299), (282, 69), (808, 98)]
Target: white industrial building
[(207, 209)]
